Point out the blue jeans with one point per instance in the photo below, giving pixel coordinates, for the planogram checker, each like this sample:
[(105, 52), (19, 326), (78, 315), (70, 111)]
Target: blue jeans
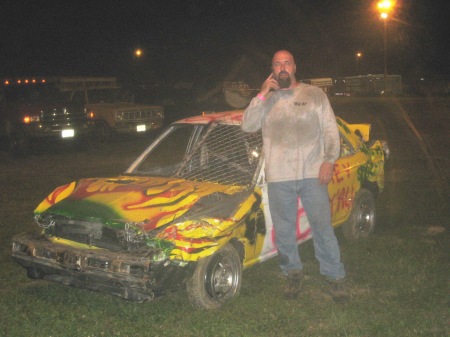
[(283, 208)]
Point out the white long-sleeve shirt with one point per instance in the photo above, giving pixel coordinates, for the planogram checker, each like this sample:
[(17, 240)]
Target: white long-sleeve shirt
[(299, 132)]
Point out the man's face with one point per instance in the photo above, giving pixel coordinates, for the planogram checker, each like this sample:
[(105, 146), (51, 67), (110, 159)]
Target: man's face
[(283, 68)]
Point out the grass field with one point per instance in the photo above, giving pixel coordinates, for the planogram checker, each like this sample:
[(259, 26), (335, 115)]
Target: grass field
[(399, 279)]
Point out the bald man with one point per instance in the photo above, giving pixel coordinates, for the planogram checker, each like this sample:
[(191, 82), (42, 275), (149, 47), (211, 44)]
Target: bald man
[(301, 144)]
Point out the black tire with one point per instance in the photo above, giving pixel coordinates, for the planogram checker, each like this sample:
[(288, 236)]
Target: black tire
[(216, 280), (35, 273), (361, 221)]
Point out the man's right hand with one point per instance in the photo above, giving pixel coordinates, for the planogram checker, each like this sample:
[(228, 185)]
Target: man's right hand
[(269, 84)]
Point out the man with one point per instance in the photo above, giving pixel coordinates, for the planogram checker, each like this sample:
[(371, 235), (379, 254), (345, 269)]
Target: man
[(301, 143)]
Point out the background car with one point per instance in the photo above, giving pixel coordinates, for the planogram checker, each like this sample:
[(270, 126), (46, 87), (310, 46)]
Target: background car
[(33, 109), (191, 210)]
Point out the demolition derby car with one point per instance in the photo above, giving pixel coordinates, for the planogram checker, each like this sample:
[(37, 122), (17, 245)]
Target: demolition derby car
[(191, 210)]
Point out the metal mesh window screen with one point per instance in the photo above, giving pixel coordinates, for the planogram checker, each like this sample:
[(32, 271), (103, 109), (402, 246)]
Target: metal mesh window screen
[(225, 155)]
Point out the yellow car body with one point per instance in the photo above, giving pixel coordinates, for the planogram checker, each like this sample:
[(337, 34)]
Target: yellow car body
[(166, 222)]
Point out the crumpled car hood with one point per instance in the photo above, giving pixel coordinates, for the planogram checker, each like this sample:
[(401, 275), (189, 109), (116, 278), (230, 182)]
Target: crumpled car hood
[(149, 202)]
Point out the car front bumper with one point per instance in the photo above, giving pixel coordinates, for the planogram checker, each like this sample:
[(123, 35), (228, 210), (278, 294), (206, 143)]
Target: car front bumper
[(69, 131), (137, 126), (133, 276)]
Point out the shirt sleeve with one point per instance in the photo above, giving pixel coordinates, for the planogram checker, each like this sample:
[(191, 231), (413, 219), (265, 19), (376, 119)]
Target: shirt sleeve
[(330, 132), (253, 115)]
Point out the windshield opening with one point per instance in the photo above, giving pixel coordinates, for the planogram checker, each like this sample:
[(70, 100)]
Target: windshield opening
[(216, 153)]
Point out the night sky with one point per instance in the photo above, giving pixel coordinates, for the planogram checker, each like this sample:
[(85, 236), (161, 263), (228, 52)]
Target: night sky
[(194, 40)]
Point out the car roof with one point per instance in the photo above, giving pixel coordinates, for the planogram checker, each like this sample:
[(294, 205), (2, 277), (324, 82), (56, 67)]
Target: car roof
[(233, 117)]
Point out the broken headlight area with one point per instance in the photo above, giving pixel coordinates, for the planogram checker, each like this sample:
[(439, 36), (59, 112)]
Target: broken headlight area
[(115, 236), (75, 259)]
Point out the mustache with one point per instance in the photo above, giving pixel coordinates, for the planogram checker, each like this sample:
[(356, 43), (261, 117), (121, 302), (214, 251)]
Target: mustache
[(283, 72)]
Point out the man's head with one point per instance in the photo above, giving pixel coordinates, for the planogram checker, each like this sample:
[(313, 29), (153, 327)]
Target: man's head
[(284, 68)]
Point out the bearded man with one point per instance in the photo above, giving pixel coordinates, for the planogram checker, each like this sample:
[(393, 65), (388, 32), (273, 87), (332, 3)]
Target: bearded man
[(301, 144)]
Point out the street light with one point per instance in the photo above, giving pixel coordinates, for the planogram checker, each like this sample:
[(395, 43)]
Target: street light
[(385, 7), (138, 52)]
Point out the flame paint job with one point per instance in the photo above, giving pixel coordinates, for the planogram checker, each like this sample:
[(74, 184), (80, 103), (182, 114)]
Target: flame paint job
[(152, 202), (149, 203)]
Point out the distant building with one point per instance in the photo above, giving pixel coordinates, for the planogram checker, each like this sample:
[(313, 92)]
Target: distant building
[(368, 85), (363, 85)]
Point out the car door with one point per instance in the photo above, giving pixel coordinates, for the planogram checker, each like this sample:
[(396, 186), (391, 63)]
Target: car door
[(345, 182)]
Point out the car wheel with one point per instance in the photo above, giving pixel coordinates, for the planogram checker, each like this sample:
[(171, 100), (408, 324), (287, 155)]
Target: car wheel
[(361, 221), (34, 273), (216, 280)]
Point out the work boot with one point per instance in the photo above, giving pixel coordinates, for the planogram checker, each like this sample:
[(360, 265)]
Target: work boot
[(338, 290), (294, 280)]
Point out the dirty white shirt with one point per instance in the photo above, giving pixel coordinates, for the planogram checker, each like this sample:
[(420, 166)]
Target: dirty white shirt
[(299, 132)]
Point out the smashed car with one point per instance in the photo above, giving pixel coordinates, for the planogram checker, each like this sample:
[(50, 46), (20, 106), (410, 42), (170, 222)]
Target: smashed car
[(191, 211)]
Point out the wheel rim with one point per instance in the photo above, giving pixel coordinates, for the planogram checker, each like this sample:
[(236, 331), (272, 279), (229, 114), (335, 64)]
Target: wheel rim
[(366, 216), (222, 278)]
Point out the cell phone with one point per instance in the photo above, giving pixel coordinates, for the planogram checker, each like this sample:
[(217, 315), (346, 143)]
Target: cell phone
[(275, 78)]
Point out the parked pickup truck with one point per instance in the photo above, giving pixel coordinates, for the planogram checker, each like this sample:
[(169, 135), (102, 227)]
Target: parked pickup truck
[(111, 108), (37, 108)]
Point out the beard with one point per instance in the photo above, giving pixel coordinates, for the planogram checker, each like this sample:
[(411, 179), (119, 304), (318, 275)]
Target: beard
[(284, 81)]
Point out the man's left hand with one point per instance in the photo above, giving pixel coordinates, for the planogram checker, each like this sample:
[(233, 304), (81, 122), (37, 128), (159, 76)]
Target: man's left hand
[(326, 172)]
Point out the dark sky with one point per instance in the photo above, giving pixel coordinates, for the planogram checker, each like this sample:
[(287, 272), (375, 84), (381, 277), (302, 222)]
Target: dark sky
[(220, 40)]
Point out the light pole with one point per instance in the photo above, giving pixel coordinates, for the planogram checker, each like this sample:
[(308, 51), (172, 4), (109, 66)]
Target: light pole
[(385, 7), (358, 57), (136, 65)]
